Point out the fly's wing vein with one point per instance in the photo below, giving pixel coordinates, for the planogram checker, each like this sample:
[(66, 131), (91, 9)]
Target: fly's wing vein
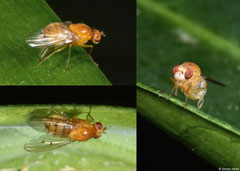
[(53, 39), (46, 143)]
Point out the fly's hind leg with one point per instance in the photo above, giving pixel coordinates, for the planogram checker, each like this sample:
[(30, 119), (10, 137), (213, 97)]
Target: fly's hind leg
[(200, 103), (90, 51), (201, 100), (56, 111), (48, 56)]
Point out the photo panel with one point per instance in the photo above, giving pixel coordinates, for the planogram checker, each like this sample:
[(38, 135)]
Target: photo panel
[(73, 127), (68, 43)]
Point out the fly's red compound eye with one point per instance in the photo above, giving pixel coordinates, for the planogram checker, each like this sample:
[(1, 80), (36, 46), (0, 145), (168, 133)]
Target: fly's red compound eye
[(98, 126), (175, 69), (188, 73)]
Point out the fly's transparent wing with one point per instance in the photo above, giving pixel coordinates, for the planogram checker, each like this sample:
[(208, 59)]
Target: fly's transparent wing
[(46, 143), (38, 124), (214, 81), (56, 125), (46, 51), (52, 36)]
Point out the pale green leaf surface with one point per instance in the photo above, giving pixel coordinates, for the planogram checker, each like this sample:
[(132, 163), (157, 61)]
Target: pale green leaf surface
[(115, 150), (20, 20)]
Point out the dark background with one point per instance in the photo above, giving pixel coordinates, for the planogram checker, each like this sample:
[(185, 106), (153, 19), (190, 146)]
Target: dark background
[(102, 95), (116, 53), (158, 151)]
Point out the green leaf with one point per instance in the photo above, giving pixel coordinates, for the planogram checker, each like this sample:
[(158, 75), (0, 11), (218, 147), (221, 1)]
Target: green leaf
[(115, 150), (20, 20), (206, 33), (210, 138)]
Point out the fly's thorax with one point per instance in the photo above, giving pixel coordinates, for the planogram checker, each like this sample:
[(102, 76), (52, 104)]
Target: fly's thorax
[(193, 67), (83, 132), (58, 125), (83, 32)]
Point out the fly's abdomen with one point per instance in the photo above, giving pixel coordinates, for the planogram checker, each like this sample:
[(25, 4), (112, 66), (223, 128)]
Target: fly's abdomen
[(55, 28), (58, 125)]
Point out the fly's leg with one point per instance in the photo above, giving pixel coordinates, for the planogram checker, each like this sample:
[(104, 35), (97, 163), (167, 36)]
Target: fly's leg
[(89, 115), (48, 56), (201, 100), (75, 112), (200, 103), (57, 112), (88, 46), (189, 86), (89, 53), (43, 52), (69, 55), (71, 140), (175, 87), (185, 105)]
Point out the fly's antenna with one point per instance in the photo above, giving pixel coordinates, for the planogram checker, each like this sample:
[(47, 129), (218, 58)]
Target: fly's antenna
[(102, 33)]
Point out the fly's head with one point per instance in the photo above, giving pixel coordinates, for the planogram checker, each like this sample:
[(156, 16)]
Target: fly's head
[(182, 73), (97, 35), (99, 129)]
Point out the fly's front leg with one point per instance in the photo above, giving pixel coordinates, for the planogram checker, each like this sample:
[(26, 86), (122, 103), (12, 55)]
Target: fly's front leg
[(189, 86), (88, 46), (175, 87), (89, 53)]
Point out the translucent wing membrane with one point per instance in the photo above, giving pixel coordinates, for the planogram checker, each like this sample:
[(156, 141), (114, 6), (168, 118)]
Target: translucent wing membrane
[(46, 143), (37, 124), (51, 37), (215, 81), (46, 51), (42, 40), (58, 127)]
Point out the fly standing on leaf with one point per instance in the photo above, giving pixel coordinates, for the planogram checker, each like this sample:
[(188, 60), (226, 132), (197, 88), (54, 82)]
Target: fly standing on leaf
[(57, 36), (192, 83), (61, 130)]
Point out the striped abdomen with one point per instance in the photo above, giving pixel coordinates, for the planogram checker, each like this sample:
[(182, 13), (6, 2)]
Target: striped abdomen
[(58, 125), (55, 28)]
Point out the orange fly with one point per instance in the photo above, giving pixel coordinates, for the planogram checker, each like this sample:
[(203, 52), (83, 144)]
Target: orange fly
[(57, 36), (192, 83), (62, 131)]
